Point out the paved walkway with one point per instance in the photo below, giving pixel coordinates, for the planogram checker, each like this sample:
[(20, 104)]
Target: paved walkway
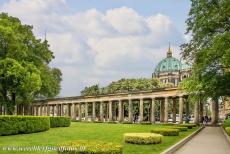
[(209, 141)]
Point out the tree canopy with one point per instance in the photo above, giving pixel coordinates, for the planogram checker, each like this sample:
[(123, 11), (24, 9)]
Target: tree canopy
[(124, 85), (209, 49), (25, 73)]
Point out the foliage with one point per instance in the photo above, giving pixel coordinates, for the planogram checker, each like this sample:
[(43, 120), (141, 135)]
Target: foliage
[(209, 49), (227, 129), (180, 128), (95, 147), (60, 122), (143, 138), (145, 123), (124, 85), (189, 126), (24, 65), (166, 131), (91, 90), (11, 125), (226, 123)]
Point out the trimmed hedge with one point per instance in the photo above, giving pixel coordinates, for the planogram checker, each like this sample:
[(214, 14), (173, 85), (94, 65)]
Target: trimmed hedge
[(181, 129), (226, 123), (127, 122), (166, 131), (145, 123), (111, 122), (189, 126), (11, 125), (227, 129), (90, 147), (97, 121), (143, 138), (59, 122)]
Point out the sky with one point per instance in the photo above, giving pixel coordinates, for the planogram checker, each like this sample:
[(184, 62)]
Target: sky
[(100, 41)]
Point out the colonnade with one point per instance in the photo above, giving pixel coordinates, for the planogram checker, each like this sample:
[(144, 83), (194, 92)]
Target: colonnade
[(113, 110)]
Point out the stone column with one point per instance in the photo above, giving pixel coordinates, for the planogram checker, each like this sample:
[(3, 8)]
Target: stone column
[(94, 111), (196, 113), (110, 111), (72, 106), (166, 109), (162, 111), (53, 112), (174, 110), (101, 111), (56, 113), (35, 111), (79, 111), (86, 111), (1, 110), (120, 111), (48, 110), (141, 109), (152, 111), (45, 110), (62, 109), (130, 111), (181, 107), (67, 110), (41, 110)]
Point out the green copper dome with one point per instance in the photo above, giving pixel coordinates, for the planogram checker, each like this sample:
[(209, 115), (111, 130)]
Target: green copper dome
[(168, 64)]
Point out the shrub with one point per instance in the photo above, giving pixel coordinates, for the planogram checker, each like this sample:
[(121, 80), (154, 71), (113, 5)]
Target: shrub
[(181, 129), (127, 122), (166, 131), (168, 124), (146, 123), (227, 129), (90, 147), (189, 126), (226, 123), (97, 121), (111, 122), (143, 138), (59, 122), (11, 125)]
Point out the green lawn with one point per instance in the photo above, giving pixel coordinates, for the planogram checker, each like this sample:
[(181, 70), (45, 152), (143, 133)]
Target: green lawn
[(91, 131)]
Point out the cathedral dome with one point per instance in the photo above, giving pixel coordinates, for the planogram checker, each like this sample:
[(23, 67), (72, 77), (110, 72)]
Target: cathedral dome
[(169, 64)]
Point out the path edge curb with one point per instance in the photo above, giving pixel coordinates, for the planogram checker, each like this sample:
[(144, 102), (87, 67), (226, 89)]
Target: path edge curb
[(179, 144), (225, 135)]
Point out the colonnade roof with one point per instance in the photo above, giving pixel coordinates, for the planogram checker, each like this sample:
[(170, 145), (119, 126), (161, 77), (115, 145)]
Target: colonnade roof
[(154, 93)]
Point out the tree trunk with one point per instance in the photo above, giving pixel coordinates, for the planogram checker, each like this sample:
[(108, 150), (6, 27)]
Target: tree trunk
[(196, 113), (215, 113)]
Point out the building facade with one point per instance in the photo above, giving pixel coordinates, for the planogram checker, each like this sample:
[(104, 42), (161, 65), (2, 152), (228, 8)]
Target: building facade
[(171, 70)]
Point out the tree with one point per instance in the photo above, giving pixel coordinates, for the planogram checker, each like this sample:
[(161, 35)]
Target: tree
[(124, 85), (25, 74), (208, 50), (91, 90)]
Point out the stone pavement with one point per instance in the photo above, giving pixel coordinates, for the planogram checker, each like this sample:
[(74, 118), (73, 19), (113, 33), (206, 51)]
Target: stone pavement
[(210, 140)]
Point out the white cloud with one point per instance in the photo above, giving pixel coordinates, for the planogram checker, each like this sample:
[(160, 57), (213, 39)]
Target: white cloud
[(95, 47)]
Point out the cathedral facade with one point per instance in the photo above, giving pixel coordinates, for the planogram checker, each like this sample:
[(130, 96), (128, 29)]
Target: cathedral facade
[(171, 70)]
